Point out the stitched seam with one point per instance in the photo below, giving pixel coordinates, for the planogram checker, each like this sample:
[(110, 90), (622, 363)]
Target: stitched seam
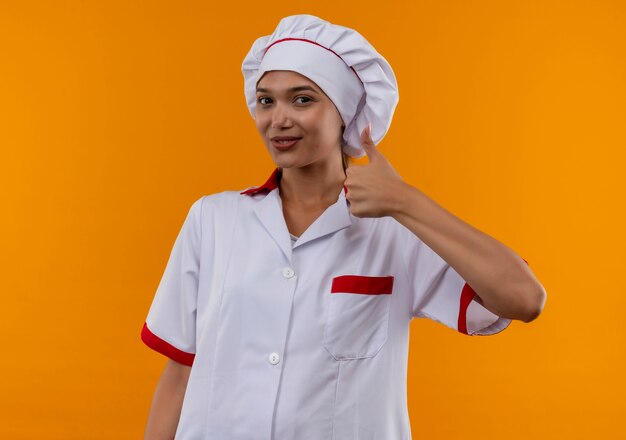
[(201, 212), (219, 318), (407, 276), (200, 267), (332, 433)]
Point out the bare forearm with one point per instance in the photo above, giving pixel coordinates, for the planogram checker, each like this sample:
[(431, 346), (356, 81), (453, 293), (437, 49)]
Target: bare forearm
[(502, 280), (167, 402)]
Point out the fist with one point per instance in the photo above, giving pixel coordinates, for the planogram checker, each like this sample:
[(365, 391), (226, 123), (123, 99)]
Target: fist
[(374, 189)]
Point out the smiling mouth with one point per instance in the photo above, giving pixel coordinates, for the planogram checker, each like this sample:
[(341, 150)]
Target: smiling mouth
[(285, 143)]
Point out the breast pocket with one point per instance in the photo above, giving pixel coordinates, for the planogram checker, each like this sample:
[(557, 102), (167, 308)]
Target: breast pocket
[(357, 316)]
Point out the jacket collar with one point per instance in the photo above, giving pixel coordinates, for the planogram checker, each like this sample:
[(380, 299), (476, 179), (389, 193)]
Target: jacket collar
[(269, 211), (272, 183)]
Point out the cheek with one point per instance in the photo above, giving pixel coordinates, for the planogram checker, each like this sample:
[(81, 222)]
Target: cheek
[(323, 123), (261, 123), (332, 126)]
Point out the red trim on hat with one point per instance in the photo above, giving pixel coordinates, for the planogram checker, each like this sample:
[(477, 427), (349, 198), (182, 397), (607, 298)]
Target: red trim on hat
[(317, 44), (467, 295), (165, 348), (270, 184)]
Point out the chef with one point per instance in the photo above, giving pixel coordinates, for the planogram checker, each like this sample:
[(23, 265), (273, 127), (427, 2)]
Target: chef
[(285, 308)]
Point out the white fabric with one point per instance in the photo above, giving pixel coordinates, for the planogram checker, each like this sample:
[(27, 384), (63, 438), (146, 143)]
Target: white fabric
[(358, 80), (293, 238), (235, 291)]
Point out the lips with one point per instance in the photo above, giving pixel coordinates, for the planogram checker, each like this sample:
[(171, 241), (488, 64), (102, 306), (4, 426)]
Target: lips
[(284, 138), (283, 143)]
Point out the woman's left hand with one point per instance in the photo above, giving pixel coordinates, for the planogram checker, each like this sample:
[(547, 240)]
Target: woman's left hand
[(374, 189)]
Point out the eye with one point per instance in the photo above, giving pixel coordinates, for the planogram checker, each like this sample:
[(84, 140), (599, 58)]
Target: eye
[(306, 99), (260, 101)]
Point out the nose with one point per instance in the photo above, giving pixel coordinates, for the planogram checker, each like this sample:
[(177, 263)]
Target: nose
[(280, 116)]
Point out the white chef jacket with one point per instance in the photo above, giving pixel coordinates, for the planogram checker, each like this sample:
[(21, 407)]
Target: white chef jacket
[(305, 340)]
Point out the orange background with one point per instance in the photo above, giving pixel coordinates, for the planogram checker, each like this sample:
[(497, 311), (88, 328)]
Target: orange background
[(115, 116)]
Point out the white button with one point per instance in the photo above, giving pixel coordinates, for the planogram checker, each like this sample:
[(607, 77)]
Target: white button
[(288, 272), (274, 358)]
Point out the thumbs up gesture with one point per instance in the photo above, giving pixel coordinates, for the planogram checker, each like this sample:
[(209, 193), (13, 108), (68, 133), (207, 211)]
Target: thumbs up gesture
[(374, 189)]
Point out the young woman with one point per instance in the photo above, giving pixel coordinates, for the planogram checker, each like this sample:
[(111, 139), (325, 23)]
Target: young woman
[(285, 308)]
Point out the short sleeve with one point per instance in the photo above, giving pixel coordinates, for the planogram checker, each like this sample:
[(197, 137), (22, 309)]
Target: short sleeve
[(170, 327), (439, 293)]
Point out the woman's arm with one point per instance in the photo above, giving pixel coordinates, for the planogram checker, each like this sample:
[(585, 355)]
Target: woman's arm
[(503, 282), (501, 279), (167, 402)]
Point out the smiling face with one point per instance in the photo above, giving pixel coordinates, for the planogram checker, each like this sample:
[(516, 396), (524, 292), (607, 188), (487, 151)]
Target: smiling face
[(299, 124)]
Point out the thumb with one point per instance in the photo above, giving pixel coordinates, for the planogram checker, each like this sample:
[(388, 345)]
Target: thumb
[(368, 143)]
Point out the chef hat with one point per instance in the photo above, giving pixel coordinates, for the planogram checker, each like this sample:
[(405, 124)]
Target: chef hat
[(356, 78)]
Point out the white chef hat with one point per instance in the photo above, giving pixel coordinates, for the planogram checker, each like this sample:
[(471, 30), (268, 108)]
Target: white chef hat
[(356, 78)]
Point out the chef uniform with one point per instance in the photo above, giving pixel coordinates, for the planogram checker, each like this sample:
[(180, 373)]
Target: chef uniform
[(303, 338)]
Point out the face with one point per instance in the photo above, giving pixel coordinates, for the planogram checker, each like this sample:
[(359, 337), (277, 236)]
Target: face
[(299, 124)]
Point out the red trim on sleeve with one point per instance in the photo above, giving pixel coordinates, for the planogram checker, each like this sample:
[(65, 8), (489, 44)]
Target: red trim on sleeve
[(467, 295), (165, 348), (362, 284)]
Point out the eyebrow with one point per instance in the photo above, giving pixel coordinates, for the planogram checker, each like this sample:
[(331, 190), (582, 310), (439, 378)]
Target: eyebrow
[(292, 90)]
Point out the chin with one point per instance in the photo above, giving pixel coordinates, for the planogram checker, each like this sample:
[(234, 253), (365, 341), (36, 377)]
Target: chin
[(287, 163)]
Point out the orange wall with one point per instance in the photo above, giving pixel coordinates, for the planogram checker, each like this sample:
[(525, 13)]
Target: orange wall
[(115, 116)]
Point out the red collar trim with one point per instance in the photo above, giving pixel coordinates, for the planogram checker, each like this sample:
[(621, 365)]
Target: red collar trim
[(271, 184)]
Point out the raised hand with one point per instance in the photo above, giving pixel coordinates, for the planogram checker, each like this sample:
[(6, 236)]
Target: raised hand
[(373, 189)]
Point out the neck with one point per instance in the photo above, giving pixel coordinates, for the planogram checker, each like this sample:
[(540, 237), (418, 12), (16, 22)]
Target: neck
[(312, 185)]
